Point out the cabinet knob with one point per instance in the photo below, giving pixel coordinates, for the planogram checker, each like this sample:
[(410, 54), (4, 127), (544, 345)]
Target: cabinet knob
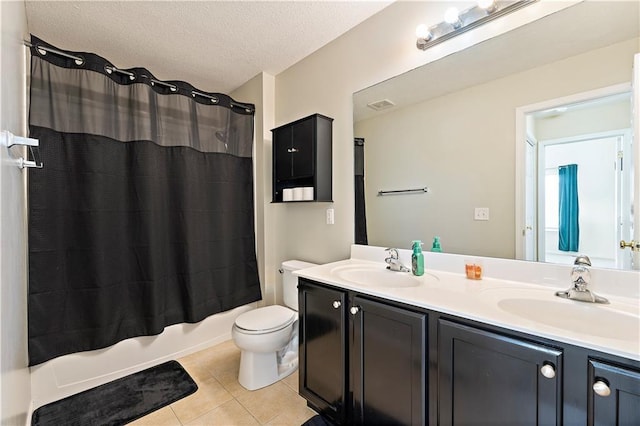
[(548, 371), (336, 304), (601, 388), (354, 310)]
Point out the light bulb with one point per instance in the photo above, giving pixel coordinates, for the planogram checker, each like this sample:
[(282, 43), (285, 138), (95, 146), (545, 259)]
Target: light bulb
[(488, 5), (422, 32), (452, 16)]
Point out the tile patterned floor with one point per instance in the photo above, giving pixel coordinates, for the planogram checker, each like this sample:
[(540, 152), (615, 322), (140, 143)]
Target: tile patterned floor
[(221, 400)]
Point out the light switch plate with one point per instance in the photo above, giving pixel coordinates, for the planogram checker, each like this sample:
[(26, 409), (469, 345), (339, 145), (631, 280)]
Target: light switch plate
[(481, 213), (330, 217)]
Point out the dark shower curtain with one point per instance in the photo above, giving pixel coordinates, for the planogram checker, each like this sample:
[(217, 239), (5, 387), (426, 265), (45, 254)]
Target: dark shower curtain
[(361, 211), (143, 214)]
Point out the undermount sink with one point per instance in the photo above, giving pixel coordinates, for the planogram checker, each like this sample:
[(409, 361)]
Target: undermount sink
[(613, 321), (374, 275)]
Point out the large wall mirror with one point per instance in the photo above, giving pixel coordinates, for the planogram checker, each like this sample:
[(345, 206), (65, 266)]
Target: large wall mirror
[(450, 126)]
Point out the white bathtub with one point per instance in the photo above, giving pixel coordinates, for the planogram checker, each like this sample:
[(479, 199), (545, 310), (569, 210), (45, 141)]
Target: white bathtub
[(70, 374)]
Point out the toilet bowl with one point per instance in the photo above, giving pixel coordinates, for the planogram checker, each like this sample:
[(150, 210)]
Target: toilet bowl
[(268, 336)]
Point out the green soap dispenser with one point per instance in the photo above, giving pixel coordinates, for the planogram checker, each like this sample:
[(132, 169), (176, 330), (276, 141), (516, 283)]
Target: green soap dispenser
[(417, 258), (436, 245)]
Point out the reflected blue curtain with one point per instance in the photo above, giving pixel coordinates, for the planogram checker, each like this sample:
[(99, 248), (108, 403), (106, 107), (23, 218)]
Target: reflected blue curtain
[(569, 229)]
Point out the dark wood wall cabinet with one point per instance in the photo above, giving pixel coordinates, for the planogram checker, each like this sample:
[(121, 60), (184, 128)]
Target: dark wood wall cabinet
[(367, 360), (302, 158)]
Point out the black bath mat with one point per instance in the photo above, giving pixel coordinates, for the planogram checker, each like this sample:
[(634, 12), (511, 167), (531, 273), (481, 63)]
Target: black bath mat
[(317, 420), (120, 401)]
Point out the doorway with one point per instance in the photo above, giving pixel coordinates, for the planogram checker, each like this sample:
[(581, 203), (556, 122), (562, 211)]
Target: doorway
[(603, 194), (590, 132)]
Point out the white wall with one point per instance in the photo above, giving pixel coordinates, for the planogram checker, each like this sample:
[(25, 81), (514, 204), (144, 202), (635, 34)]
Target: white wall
[(595, 119), (461, 146), (324, 82), (15, 391), (260, 91)]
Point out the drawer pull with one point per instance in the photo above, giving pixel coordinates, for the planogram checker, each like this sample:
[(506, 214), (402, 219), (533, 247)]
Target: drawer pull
[(292, 150), (354, 310), (601, 388), (548, 371), (336, 304)]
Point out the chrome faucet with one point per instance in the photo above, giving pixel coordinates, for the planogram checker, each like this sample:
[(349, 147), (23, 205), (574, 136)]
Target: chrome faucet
[(393, 261), (580, 277)]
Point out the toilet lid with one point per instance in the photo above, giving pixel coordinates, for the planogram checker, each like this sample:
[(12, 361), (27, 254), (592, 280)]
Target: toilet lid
[(267, 318)]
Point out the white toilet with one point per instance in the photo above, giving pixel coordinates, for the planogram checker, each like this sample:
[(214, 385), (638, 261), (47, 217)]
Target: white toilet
[(268, 336)]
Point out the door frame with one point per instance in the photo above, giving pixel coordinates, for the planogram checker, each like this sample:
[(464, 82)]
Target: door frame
[(531, 201), (521, 140), (635, 107), (623, 143)]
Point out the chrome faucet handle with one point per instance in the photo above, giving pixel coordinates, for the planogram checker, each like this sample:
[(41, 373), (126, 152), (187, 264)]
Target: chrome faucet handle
[(393, 253), (580, 284), (580, 275), (582, 260), (580, 278), (393, 261)]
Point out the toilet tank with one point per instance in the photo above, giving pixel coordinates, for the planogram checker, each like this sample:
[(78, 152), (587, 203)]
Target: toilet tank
[(290, 281)]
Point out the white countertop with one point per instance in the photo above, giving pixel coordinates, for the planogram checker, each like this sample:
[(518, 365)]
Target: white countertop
[(514, 305)]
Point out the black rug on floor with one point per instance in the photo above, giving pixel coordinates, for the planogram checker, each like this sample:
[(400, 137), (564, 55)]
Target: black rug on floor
[(120, 401), (317, 420)]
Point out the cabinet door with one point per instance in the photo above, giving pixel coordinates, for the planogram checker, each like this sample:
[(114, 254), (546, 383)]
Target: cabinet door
[(614, 395), (302, 148), (387, 364), (282, 153), (322, 351), (486, 378)]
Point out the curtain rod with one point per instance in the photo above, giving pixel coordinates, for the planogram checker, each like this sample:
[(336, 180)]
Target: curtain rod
[(109, 69), (79, 59)]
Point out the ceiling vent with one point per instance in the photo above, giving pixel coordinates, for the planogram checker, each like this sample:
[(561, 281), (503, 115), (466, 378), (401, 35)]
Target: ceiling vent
[(380, 105)]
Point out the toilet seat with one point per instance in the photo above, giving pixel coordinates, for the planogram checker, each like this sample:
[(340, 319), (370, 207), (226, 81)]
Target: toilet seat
[(265, 320)]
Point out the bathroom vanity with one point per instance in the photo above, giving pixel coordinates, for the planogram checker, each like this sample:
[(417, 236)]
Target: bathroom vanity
[(439, 349)]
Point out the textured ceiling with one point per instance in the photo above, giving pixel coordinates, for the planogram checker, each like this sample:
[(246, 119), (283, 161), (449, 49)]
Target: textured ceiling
[(214, 45)]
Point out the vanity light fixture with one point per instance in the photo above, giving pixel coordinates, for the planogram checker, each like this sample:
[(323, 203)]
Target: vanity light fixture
[(456, 22)]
